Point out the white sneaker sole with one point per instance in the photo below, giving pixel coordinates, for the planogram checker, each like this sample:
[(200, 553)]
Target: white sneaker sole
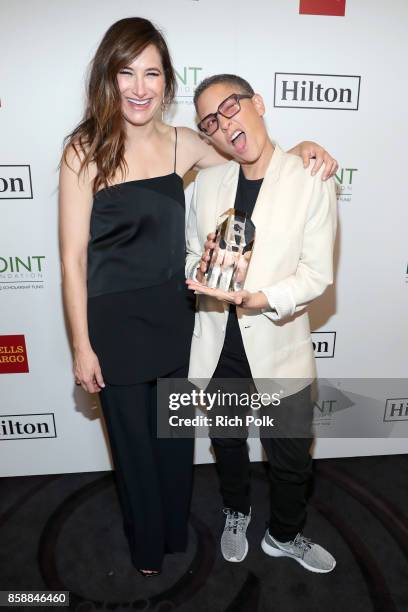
[(277, 552), (234, 559)]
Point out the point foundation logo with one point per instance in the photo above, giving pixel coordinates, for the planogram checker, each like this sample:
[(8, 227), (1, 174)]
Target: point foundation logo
[(188, 77), (344, 183), (27, 426), (15, 183), (317, 91), (25, 272), (13, 355), (324, 344), (323, 412)]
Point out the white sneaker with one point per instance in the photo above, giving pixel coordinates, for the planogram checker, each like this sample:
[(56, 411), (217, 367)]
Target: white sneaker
[(312, 556), (234, 545)]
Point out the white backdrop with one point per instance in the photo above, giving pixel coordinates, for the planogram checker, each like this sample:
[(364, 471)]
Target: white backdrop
[(47, 425)]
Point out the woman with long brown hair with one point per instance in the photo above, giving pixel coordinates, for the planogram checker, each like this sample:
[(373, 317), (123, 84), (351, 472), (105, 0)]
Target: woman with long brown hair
[(122, 249)]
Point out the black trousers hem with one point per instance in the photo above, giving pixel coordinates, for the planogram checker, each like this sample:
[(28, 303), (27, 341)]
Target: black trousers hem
[(153, 475), (289, 459)]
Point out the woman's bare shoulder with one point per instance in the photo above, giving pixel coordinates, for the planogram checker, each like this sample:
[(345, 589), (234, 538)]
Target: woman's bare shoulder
[(73, 158), (189, 137), (195, 151)]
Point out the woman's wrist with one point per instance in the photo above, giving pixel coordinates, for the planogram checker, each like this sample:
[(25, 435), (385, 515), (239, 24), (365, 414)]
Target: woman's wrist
[(82, 346)]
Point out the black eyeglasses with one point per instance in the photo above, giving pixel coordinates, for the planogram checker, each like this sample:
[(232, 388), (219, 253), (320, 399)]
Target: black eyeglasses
[(228, 108)]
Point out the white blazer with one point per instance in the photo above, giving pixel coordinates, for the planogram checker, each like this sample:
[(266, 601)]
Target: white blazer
[(292, 263)]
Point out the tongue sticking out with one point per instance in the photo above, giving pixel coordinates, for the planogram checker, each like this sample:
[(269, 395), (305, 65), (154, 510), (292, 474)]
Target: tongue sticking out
[(239, 143)]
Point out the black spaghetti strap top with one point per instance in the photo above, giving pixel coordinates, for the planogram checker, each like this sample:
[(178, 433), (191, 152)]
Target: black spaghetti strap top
[(140, 313), (137, 235)]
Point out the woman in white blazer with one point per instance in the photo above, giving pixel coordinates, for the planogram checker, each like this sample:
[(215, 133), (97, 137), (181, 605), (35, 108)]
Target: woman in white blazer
[(291, 264)]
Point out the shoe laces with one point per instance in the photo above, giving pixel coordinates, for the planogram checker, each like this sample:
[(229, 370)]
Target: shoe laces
[(236, 521), (302, 543)]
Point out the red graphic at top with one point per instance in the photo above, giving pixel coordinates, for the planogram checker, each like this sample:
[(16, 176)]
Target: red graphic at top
[(323, 7)]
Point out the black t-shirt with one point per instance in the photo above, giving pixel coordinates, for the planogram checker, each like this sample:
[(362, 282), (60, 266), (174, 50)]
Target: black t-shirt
[(245, 199)]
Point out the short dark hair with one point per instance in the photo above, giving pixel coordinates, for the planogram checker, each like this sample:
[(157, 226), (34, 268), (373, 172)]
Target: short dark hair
[(233, 79)]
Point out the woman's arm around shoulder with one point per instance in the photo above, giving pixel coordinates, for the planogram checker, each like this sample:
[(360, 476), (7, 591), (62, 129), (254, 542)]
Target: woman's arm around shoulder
[(309, 150), (194, 153)]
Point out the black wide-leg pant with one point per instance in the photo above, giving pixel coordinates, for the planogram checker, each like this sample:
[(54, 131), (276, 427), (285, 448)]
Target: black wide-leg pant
[(153, 475), (290, 462)]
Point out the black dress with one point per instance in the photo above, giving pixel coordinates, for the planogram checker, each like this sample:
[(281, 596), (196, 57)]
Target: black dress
[(140, 313), (140, 318)]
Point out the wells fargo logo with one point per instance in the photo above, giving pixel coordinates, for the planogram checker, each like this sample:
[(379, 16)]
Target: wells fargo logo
[(13, 355)]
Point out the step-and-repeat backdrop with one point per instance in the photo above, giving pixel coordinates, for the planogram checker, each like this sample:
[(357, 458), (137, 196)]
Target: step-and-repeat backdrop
[(330, 71)]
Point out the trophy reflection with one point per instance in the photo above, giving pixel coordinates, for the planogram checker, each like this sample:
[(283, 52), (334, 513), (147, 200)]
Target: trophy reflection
[(229, 260)]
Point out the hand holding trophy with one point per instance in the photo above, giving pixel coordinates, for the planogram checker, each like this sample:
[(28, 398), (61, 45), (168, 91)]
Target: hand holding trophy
[(229, 257)]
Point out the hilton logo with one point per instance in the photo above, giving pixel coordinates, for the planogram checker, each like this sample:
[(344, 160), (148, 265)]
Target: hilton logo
[(27, 426), (15, 183), (330, 91), (396, 409), (324, 343)]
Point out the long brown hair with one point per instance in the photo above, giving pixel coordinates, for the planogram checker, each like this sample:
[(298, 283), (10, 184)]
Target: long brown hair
[(100, 137)]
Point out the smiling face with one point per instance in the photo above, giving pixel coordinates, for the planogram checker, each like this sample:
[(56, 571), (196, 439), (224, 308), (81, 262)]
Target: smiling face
[(142, 87), (244, 136)]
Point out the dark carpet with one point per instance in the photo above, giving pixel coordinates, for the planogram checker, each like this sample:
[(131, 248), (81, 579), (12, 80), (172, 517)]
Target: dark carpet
[(65, 533)]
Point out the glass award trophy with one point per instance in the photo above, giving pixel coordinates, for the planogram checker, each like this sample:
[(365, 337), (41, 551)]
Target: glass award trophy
[(229, 260)]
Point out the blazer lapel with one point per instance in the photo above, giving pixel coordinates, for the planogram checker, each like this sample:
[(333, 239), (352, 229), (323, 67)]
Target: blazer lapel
[(225, 200), (271, 176), (228, 189), (264, 202)]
